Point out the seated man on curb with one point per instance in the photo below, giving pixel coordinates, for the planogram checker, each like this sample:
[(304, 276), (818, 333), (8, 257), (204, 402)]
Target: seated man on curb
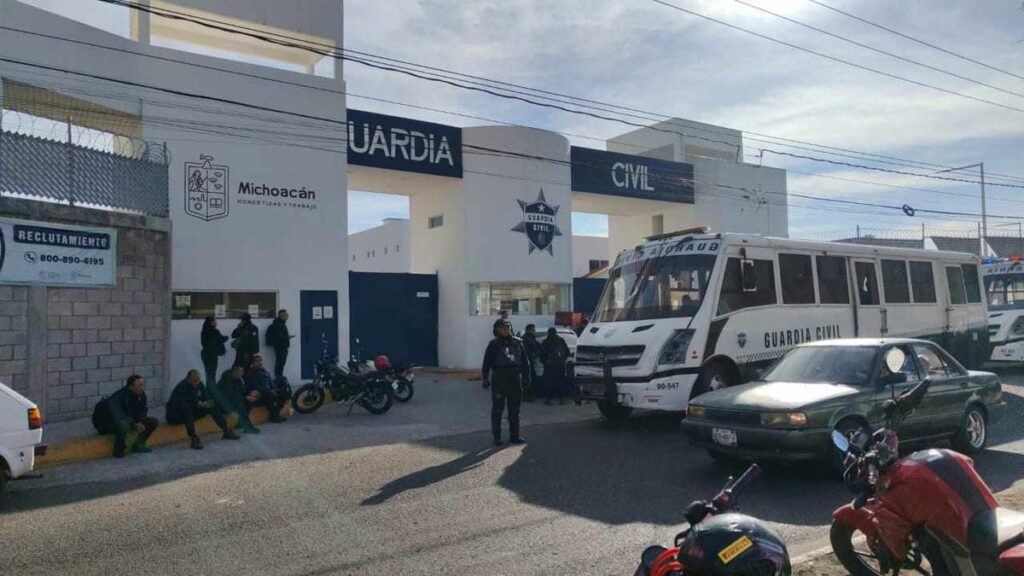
[(229, 395), (190, 402), (125, 411), (260, 390)]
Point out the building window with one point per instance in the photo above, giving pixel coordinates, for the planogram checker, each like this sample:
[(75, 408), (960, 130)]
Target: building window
[(598, 264), (489, 299), (797, 279), (922, 282), (435, 221), (833, 286), (734, 297), (398, 247), (894, 280), (353, 257), (385, 250), (367, 253), (192, 305)]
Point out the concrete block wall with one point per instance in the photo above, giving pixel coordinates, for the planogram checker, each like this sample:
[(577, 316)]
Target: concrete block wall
[(69, 346)]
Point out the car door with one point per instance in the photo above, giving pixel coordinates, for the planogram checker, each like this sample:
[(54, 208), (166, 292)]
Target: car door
[(911, 426), (943, 406)]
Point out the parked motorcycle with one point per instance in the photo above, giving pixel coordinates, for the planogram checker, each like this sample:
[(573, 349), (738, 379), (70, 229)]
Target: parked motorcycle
[(719, 541), (929, 513), (370, 389), (401, 376)]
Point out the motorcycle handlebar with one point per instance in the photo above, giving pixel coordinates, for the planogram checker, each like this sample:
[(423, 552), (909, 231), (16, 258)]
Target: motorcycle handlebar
[(741, 483)]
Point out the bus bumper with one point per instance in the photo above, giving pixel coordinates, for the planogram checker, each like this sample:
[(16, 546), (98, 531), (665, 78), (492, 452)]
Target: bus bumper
[(669, 393)]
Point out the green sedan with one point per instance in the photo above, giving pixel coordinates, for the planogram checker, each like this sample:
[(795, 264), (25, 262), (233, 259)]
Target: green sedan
[(841, 385)]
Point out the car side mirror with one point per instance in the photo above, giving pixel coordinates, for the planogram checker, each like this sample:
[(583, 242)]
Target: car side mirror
[(748, 276), (893, 378)]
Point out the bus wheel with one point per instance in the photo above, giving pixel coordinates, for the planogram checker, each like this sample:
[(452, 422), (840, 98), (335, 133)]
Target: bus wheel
[(714, 376), (613, 412)]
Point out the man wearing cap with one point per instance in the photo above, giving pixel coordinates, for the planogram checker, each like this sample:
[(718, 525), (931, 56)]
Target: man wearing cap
[(506, 371)]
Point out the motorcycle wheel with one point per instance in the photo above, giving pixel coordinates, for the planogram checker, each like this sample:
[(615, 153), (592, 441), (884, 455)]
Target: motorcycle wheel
[(854, 553), (308, 398), (403, 389), (378, 398)]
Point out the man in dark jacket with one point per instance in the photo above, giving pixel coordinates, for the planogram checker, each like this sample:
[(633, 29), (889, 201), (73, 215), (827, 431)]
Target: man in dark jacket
[(247, 341), (229, 394), (279, 339), (190, 402), (260, 390), (532, 348), (505, 370), (124, 412), (554, 352)]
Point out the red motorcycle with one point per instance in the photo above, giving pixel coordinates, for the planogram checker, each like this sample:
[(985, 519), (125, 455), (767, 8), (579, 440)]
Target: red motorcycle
[(929, 513)]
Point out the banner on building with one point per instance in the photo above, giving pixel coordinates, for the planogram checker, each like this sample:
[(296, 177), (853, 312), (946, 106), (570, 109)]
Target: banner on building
[(631, 176), (394, 143), (57, 254)]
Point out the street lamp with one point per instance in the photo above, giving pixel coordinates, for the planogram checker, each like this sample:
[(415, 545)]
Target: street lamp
[(984, 215)]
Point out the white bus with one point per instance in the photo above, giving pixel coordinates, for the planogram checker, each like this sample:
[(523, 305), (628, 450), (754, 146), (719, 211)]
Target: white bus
[(690, 312), (1004, 285)]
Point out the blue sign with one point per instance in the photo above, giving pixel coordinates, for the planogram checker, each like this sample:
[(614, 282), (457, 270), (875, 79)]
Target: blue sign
[(631, 176), (393, 143)]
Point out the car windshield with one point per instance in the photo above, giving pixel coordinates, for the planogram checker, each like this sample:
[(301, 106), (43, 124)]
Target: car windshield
[(663, 287), (831, 364), (1005, 291)]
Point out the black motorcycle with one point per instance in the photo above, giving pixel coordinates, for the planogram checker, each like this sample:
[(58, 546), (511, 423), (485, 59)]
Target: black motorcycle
[(370, 389)]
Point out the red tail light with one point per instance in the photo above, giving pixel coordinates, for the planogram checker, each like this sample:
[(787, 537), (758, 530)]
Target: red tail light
[(35, 419)]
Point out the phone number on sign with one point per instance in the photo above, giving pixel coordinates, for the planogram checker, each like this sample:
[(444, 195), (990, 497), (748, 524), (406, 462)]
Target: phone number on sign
[(71, 259)]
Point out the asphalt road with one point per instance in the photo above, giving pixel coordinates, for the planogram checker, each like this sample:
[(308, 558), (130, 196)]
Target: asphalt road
[(322, 495)]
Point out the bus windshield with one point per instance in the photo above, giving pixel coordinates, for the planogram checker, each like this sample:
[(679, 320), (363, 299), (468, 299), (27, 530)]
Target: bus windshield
[(1005, 291), (661, 287)]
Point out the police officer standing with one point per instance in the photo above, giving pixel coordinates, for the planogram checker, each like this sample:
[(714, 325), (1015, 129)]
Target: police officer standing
[(506, 371)]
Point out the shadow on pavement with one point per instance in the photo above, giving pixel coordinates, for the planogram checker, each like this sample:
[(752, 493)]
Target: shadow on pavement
[(432, 475)]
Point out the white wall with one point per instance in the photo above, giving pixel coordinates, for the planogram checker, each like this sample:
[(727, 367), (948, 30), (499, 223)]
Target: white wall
[(585, 249), (383, 248), (260, 247)]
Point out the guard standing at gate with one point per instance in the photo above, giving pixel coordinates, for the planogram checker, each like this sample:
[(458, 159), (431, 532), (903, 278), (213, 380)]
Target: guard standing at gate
[(506, 371)]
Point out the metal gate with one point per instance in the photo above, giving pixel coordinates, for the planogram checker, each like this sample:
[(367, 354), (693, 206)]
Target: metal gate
[(394, 314)]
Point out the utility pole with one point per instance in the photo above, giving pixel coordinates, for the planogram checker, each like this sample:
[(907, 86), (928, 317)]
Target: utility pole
[(984, 213)]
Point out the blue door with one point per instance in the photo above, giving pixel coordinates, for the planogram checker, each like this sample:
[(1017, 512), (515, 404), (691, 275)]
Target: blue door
[(319, 326), (394, 314)]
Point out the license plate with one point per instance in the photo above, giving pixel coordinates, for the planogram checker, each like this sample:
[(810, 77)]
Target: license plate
[(723, 437)]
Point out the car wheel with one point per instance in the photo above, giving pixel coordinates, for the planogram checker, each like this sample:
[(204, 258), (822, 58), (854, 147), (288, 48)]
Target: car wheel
[(972, 435), (714, 376), (613, 412)]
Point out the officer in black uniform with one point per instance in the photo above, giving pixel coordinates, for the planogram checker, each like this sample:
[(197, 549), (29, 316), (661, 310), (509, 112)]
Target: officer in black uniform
[(506, 371)]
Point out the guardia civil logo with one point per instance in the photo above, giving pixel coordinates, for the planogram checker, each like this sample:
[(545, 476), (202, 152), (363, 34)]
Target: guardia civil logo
[(206, 189), (539, 223)]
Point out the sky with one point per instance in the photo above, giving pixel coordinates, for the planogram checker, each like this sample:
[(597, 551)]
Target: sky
[(640, 54), (644, 55)]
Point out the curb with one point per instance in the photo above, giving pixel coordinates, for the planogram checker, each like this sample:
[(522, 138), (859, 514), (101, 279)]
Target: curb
[(95, 447)]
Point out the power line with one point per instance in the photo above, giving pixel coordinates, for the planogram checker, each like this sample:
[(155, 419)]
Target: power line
[(917, 40), (878, 50), (835, 58), (332, 51)]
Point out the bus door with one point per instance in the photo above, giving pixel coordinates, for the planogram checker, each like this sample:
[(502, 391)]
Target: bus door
[(870, 316)]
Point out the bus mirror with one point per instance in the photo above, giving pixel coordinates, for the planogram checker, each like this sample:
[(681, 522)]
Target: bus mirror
[(748, 276)]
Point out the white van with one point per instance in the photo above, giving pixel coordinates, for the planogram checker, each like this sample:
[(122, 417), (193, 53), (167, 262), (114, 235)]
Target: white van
[(1004, 285), (689, 312), (21, 434)]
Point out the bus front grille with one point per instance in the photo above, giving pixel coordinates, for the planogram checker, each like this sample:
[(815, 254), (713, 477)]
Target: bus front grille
[(615, 355)]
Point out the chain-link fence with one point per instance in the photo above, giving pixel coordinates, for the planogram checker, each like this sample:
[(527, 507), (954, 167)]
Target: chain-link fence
[(81, 166), (1001, 243)]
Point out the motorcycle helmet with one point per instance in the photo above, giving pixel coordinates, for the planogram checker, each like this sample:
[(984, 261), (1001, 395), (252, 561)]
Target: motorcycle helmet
[(734, 545), (382, 362)]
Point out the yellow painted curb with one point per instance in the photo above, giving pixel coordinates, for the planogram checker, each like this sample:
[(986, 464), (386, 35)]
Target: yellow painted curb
[(95, 447)]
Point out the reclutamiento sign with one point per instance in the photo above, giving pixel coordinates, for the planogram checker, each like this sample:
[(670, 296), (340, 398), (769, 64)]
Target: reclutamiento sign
[(57, 254)]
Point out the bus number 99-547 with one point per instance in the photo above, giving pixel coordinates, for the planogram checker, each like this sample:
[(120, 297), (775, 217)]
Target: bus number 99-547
[(667, 385)]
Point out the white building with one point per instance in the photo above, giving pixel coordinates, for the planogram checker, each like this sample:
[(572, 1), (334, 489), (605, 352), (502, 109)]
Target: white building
[(383, 248), (259, 211)]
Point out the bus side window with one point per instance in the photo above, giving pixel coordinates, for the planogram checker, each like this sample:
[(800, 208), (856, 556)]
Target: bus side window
[(955, 281), (922, 281), (971, 286), (894, 279), (832, 283), (733, 297), (867, 283), (797, 279)]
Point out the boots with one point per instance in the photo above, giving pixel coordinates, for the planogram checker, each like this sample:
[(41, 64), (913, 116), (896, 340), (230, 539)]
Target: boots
[(195, 443)]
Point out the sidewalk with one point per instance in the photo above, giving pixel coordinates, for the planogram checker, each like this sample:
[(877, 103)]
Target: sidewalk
[(444, 404), (824, 563)]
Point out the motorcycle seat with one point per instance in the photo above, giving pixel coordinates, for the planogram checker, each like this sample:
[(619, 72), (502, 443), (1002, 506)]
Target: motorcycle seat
[(991, 532)]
